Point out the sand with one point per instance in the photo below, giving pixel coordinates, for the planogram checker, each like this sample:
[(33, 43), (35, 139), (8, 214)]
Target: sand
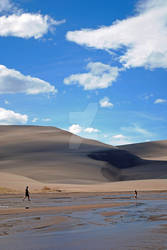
[(11, 183), (84, 221), (48, 159), (81, 190), (38, 210), (48, 154), (155, 150)]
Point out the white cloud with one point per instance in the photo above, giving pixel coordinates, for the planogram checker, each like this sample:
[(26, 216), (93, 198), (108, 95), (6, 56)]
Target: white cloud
[(160, 101), (9, 117), (91, 130), (35, 119), (105, 103), (27, 25), (12, 81), (100, 76), (119, 136), (143, 37), (120, 140), (77, 129)]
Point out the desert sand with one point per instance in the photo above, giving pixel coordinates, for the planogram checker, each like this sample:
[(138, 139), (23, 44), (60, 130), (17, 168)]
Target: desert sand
[(155, 150), (49, 159), (81, 192)]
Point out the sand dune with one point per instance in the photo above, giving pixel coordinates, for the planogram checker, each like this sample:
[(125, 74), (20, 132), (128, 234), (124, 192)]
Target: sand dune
[(154, 156), (54, 158), (156, 150), (50, 155)]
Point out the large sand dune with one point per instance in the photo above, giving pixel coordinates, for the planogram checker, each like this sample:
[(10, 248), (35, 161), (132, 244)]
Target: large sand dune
[(47, 156)]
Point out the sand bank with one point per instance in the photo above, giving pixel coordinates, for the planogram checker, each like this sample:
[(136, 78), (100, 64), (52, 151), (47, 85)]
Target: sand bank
[(15, 183)]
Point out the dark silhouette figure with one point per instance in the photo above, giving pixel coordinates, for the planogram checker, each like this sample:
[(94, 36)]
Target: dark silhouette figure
[(27, 194), (135, 194)]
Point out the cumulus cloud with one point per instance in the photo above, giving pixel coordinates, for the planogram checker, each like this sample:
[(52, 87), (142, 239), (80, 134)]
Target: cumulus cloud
[(160, 101), (27, 25), (77, 129), (143, 37), (9, 117), (100, 76), (12, 81), (16, 23), (105, 103), (91, 130)]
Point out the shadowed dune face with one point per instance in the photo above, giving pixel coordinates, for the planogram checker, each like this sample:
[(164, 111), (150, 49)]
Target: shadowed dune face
[(154, 165), (128, 166), (51, 155), (119, 158)]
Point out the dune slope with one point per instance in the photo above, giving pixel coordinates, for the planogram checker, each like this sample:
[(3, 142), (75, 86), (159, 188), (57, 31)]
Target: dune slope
[(155, 150), (48, 155)]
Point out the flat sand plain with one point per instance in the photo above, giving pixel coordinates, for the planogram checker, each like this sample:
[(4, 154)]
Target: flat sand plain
[(11, 183)]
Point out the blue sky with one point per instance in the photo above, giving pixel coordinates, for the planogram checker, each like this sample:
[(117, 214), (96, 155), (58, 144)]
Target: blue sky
[(95, 68)]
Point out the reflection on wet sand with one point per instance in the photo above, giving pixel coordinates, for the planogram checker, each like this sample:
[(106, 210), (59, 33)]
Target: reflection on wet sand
[(84, 221)]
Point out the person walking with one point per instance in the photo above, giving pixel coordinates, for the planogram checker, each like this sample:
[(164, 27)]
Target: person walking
[(135, 195), (27, 194)]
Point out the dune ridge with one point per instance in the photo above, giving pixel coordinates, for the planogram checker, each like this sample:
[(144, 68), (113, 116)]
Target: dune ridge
[(155, 150)]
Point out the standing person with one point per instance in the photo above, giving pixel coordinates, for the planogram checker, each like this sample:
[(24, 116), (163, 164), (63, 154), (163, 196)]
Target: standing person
[(135, 194), (27, 194)]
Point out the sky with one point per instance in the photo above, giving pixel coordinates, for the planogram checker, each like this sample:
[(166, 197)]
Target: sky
[(95, 68)]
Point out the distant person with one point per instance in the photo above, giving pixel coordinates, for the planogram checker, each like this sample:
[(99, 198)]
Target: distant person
[(27, 194), (135, 194)]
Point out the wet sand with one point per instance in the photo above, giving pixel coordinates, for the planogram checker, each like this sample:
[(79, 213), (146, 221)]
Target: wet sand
[(84, 221)]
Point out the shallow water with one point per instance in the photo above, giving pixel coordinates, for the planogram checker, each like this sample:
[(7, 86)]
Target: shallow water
[(135, 226)]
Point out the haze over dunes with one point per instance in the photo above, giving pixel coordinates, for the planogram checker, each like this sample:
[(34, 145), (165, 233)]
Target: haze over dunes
[(43, 156)]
